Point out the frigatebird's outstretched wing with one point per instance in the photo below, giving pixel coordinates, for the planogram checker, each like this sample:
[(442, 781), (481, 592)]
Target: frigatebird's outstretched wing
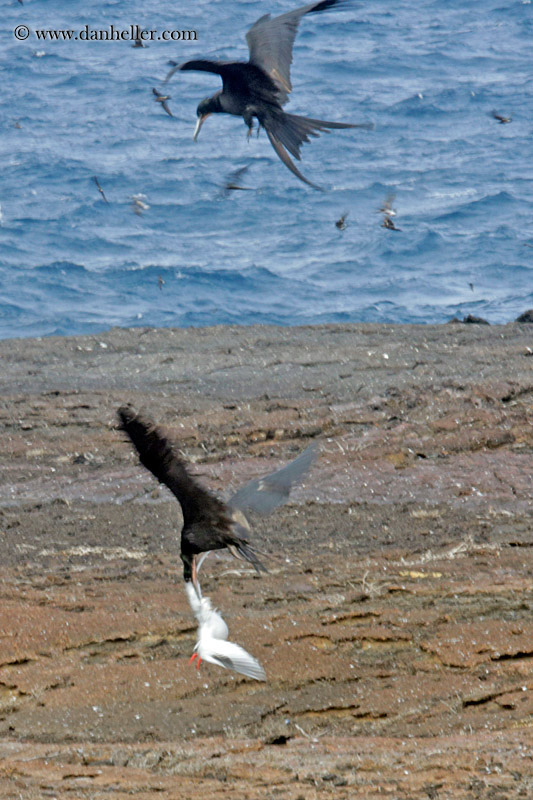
[(270, 42), (159, 456), (263, 495)]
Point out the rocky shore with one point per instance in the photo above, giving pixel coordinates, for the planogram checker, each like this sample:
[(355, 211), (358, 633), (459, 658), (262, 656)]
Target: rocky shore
[(395, 623)]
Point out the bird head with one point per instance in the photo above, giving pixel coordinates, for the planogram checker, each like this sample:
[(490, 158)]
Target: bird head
[(205, 108)]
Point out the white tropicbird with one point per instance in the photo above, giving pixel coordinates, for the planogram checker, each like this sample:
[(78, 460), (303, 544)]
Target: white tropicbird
[(212, 644)]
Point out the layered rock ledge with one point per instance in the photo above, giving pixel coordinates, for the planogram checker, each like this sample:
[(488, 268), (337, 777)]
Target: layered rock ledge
[(395, 624)]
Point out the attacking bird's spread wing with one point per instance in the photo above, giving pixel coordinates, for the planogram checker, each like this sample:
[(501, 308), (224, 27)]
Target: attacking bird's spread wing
[(238, 79), (199, 65), (270, 42), (208, 524), (263, 495), (157, 454)]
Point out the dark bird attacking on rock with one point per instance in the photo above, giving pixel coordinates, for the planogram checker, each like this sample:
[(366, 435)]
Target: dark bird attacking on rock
[(260, 87), (162, 98), (208, 522)]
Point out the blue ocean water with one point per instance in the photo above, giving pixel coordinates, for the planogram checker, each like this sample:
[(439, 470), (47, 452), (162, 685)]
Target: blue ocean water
[(427, 74)]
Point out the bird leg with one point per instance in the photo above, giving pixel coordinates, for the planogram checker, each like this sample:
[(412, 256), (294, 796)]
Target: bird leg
[(194, 576), (249, 120), (195, 655)]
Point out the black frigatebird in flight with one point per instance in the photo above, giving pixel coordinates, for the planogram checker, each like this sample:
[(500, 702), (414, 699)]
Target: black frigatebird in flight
[(208, 522), (260, 87)]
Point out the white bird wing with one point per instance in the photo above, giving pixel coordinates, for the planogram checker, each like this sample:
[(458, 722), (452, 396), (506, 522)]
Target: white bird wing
[(231, 656)]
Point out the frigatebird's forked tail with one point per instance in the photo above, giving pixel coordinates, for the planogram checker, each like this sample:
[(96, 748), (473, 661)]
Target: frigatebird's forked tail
[(290, 131)]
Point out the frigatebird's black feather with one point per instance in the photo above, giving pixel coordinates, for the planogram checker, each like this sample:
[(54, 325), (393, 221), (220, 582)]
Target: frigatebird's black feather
[(260, 87)]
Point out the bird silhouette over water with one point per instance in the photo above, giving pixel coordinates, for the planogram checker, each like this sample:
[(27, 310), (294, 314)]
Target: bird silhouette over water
[(501, 119), (260, 87), (208, 522), (341, 222), (388, 213), (138, 204), (388, 223), (386, 207), (162, 98), (232, 182), (97, 182)]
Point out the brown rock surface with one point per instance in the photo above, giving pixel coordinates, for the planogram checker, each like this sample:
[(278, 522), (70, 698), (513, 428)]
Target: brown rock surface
[(396, 628)]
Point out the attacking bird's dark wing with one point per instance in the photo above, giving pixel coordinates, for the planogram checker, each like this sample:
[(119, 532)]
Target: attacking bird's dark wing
[(199, 65), (243, 82), (263, 495), (270, 42), (208, 524), (157, 454)]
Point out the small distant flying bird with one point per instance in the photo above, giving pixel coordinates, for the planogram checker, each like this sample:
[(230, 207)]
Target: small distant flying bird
[(260, 87), (97, 182), (138, 204), (389, 224), (341, 222), (162, 98), (139, 42), (389, 212), (160, 282), (501, 119), (208, 522), (232, 183), (387, 208), (212, 644), (471, 286)]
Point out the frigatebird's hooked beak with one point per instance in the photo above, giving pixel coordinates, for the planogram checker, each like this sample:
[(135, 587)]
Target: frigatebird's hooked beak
[(199, 122)]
